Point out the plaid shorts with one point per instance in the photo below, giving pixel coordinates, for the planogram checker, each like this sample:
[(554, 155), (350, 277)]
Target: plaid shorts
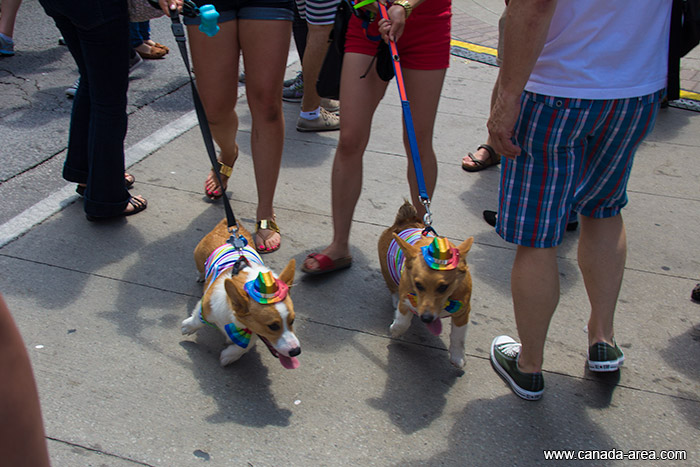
[(576, 156)]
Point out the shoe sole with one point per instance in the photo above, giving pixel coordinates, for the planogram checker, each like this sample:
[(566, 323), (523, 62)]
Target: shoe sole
[(607, 366), (291, 99), (520, 392), (310, 130)]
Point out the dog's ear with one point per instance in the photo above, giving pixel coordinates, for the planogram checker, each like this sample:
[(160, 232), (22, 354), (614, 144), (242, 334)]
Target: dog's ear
[(465, 247), (411, 251), (238, 296), (463, 250), (287, 274)]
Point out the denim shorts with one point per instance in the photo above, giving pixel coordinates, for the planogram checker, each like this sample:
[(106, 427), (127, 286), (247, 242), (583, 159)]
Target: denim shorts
[(229, 10), (576, 155)]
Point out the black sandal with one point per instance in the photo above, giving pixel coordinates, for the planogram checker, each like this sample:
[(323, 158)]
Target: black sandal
[(493, 159), (139, 203)]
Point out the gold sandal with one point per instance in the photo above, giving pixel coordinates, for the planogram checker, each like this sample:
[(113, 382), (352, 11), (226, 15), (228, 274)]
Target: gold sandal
[(224, 171), (266, 224)]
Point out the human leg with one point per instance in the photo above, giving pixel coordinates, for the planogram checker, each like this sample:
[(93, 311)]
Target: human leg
[(602, 253), (265, 44), (22, 436), (360, 98), (8, 14), (212, 58), (535, 291), (423, 91), (316, 48), (601, 194)]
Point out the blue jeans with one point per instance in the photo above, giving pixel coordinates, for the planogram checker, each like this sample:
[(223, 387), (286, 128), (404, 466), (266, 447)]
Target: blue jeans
[(97, 35), (139, 33)]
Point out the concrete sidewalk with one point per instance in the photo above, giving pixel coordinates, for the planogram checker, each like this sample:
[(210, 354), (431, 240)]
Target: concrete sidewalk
[(100, 306)]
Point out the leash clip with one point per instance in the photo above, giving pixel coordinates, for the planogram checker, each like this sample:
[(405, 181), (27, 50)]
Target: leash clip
[(428, 217), (237, 240)]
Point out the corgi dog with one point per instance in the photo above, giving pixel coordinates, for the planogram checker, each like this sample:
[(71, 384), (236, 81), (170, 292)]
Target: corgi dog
[(243, 299), (427, 276)]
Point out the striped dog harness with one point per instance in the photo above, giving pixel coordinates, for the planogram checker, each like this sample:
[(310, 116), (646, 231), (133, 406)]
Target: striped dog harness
[(220, 260)]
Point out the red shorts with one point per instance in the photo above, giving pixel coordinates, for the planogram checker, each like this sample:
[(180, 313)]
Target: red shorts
[(425, 43)]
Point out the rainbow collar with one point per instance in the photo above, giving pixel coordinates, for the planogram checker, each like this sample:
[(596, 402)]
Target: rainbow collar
[(239, 336), (266, 289)]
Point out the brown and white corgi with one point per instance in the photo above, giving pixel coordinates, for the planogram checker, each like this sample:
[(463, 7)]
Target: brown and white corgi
[(244, 299), (427, 276)]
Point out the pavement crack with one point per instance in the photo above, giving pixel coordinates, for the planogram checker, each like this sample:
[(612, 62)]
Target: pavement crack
[(98, 451)]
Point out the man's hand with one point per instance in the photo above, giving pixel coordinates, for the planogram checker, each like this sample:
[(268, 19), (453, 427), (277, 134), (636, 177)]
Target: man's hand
[(501, 125)]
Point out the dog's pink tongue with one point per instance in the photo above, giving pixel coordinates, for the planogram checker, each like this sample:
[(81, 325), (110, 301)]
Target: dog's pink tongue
[(435, 327), (289, 363)]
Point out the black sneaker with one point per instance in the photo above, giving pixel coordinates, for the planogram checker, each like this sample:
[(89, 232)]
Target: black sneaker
[(490, 217), (605, 357), (504, 358), (695, 294)]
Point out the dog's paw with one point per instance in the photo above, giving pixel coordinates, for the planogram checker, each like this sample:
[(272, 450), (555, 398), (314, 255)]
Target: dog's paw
[(396, 328), (189, 326), (230, 354), (200, 277), (457, 360)]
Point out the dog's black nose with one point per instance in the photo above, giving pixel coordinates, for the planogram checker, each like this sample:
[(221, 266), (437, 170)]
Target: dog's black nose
[(295, 352), (427, 318)]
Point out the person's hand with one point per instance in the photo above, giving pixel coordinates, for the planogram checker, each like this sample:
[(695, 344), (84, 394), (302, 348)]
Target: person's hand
[(501, 125), (168, 5), (392, 28)]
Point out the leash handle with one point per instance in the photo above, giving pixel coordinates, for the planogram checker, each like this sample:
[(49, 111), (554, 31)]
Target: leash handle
[(407, 117)]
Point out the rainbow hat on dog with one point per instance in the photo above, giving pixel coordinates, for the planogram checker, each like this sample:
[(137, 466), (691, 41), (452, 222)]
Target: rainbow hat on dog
[(439, 255), (266, 289)]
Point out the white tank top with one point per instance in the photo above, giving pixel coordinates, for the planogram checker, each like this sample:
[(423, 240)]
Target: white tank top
[(604, 49)]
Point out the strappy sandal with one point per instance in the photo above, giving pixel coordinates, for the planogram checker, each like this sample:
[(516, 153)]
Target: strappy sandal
[(493, 159), (129, 181), (266, 224), (224, 171), (139, 203)]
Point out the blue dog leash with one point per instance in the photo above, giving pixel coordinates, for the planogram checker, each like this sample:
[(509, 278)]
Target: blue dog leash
[(410, 130)]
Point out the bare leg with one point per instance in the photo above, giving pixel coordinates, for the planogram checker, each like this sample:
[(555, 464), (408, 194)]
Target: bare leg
[(316, 48), (360, 98), (8, 14), (423, 91), (265, 45), (22, 438), (602, 252), (535, 289), (214, 58)]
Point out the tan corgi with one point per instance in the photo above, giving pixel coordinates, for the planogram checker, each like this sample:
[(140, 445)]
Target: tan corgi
[(244, 299), (427, 276)]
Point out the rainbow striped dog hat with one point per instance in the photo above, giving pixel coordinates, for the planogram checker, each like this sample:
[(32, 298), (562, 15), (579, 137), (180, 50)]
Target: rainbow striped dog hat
[(266, 289), (439, 255)]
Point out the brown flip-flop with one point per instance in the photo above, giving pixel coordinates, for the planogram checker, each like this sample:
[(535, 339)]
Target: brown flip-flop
[(493, 159)]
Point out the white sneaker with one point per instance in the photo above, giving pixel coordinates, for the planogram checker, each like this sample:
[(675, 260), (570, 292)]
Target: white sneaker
[(326, 121), (331, 105)]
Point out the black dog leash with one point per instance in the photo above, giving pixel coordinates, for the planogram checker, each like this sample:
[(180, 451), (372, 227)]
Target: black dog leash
[(191, 10)]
